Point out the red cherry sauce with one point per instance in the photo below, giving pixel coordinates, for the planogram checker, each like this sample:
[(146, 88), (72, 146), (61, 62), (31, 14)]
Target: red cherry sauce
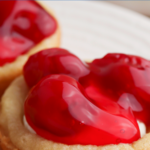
[(53, 61), (124, 79), (23, 24), (60, 61), (58, 109)]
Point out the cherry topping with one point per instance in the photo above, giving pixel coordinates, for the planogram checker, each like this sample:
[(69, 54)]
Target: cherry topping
[(53, 61), (58, 109), (61, 61), (124, 79), (23, 24)]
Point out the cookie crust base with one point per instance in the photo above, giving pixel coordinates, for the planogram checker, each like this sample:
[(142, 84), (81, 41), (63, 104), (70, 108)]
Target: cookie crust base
[(20, 138)]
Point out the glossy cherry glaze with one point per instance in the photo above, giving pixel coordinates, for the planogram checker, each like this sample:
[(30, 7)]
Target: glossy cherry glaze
[(58, 109), (53, 61), (115, 83), (23, 24), (124, 79), (61, 61)]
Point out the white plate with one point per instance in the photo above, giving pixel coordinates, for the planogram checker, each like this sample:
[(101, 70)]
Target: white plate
[(91, 29)]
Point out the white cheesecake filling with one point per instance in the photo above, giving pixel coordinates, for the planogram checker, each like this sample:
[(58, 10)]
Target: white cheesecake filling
[(141, 125), (27, 125), (142, 128)]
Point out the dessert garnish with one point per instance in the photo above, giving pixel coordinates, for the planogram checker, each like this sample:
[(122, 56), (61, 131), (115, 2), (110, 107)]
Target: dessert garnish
[(58, 109), (53, 61), (23, 24), (116, 85), (114, 79), (124, 79)]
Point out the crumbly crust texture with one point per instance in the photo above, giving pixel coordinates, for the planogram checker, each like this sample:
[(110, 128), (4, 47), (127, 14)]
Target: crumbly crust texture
[(16, 134), (5, 143), (10, 71)]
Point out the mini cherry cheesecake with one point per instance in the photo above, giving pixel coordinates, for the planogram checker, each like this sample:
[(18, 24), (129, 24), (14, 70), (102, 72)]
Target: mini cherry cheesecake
[(25, 28), (65, 103)]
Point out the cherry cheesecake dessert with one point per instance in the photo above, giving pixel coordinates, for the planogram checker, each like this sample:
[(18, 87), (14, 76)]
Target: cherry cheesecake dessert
[(25, 28), (61, 102)]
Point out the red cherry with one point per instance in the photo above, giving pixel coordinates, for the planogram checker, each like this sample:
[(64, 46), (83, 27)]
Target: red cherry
[(58, 109), (124, 79), (23, 24), (53, 61)]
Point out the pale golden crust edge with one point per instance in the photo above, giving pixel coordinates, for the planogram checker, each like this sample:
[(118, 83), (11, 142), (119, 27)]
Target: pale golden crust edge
[(12, 114)]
